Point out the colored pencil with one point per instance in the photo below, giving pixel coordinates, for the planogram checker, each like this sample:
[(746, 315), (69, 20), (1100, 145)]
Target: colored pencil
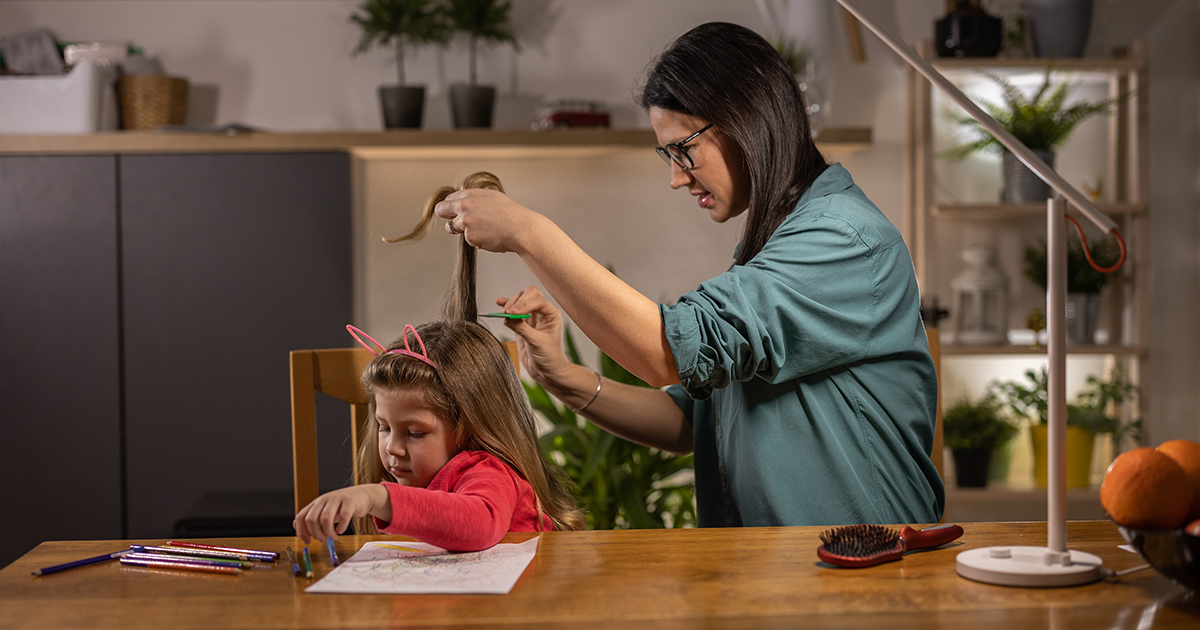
[(187, 551), (186, 566), (507, 315), (292, 558), (164, 557), (80, 563), (308, 572), (252, 553), (332, 552)]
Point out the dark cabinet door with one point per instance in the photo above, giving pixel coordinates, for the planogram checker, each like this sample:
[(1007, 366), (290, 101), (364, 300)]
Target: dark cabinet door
[(60, 465), (230, 261)]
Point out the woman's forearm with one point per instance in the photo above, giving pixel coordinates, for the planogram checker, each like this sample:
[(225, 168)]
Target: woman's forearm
[(622, 322), (640, 414)]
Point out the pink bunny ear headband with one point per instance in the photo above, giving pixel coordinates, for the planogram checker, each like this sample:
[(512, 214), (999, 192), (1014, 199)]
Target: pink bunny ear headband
[(407, 351)]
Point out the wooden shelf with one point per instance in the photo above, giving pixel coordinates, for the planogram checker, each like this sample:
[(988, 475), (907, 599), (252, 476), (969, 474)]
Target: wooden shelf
[(839, 140), (1017, 350), (1078, 64), (1004, 212)]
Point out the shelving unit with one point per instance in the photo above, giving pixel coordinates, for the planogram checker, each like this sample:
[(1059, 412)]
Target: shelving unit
[(937, 227)]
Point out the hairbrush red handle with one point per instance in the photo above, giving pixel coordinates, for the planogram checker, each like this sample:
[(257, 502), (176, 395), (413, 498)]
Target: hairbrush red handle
[(935, 536)]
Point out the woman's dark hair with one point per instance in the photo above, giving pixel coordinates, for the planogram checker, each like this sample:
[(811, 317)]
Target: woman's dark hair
[(730, 76)]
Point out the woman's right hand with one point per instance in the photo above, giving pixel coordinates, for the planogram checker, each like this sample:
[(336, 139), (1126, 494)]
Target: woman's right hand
[(539, 338)]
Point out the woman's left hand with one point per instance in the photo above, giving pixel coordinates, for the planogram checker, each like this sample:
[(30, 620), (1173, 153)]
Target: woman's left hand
[(488, 219)]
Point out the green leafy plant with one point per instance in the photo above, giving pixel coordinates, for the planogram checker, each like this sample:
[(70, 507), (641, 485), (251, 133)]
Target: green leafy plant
[(1041, 122), (1081, 276), (399, 23), (621, 485), (481, 20), (793, 54), (1094, 410), (978, 426)]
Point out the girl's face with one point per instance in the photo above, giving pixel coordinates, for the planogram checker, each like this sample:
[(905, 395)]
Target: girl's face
[(414, 442), (719, 181)]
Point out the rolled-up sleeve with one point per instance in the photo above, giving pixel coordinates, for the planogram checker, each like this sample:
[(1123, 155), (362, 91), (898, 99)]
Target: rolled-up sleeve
[(808, 302)]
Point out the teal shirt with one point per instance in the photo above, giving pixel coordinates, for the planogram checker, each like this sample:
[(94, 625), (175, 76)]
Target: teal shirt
[(807, 377)]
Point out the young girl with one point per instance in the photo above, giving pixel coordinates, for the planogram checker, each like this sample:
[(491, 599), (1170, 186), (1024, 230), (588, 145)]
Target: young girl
[(454, 444), (451, 435)]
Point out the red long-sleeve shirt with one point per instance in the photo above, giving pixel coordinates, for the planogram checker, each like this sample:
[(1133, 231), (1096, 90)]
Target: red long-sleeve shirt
[(469, 505)]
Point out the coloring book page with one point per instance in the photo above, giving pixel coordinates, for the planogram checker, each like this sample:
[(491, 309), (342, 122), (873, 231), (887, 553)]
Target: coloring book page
[(414, 567)]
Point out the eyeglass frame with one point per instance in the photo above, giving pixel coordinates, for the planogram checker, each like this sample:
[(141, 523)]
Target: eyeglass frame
[(669, 157)]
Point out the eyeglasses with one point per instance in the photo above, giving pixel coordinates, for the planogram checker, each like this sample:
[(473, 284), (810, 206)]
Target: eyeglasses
[(676, 151)]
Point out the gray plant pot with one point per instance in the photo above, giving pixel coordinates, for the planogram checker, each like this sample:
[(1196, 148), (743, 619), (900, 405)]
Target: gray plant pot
[(402, 105), (1081, 318), (1060, 27), (472, 105), (1022, 185)]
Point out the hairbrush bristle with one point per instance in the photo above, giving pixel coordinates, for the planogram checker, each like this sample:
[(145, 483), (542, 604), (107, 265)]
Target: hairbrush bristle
[(859, 541)]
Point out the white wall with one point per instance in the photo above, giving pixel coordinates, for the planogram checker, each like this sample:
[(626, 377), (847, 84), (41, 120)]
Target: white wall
[(286, 65)]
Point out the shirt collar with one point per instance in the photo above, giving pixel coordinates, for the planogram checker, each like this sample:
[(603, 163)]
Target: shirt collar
[(832, 180)]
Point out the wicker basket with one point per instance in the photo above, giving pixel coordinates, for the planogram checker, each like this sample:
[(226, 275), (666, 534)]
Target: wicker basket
[(150, 101)]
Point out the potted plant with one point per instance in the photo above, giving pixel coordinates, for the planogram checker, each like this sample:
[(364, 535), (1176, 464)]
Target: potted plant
[(973, 431), (621, 485), (1094, 413), (1042, 122), (1084, 283), (400, 23), (486, 21)]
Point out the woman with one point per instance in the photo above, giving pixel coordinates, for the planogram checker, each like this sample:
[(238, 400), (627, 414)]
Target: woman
[(801, 377)]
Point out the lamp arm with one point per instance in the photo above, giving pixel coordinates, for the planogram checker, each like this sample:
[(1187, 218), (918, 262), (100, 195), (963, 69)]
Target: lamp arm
[(1010, 142)]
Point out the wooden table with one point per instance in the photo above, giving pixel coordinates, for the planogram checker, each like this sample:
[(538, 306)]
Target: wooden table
[(712, 578)]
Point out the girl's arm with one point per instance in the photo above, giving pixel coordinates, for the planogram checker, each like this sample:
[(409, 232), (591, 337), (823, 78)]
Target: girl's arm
[(474, 514), (623, 323), (331, 513)]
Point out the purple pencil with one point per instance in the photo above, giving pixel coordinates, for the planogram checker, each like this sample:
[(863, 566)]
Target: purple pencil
[(80, 563)]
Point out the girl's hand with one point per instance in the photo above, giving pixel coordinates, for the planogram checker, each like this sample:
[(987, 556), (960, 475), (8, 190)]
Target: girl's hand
[(488, 219), (539, 338), (330, 514)]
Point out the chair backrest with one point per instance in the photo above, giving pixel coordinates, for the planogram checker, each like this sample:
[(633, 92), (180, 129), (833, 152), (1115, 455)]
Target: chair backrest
[(334, 372), (935, 351)]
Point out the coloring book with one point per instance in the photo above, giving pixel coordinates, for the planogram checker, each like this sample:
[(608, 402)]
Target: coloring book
[(414, 567)]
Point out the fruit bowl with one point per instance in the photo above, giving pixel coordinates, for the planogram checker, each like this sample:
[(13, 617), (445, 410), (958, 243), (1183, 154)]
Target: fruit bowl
[(1173, 553)]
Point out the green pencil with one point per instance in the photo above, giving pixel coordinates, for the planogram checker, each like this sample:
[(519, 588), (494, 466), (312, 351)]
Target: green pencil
[(308, 572), (507, 315)]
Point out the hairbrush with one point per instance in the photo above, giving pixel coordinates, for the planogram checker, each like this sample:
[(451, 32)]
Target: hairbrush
[(858, 546)]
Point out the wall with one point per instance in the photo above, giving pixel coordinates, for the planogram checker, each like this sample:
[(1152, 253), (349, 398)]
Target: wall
[(286, 65)]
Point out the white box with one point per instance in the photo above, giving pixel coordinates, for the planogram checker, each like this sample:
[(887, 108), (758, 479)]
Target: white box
[(82, 101)]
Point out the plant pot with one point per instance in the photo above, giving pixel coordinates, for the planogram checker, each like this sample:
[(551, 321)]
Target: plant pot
[(403, 106), (1079, 456), (1060, 27), (968, 35), (472, 105), (1081, 318), (971, 467), (1022, 185)]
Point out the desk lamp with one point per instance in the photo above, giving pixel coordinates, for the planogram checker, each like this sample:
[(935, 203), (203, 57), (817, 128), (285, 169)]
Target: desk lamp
[(1054, 564)]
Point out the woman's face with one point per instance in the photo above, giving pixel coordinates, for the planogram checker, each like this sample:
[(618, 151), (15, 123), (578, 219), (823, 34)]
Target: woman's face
[(719, 181)]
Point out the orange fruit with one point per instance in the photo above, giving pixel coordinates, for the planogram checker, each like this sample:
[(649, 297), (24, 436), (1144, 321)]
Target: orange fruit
[(1186, 453), (1146, 489)]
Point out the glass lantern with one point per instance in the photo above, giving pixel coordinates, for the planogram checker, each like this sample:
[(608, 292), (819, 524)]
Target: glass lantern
[(980, 300)]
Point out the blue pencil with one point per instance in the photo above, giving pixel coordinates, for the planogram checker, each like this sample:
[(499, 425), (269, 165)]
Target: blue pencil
[(80, 563), (332, 552), (292, 558)]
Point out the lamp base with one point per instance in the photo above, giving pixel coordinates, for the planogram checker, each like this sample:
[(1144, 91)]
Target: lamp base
[(1029, 566)]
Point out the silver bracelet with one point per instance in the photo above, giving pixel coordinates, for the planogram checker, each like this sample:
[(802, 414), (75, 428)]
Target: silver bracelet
[(599, 384)]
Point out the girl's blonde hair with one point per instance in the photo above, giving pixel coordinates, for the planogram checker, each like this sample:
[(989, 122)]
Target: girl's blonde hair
[(474, 386)]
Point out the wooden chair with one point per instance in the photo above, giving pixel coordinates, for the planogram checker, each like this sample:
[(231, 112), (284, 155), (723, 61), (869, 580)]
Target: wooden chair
[(334, 372)]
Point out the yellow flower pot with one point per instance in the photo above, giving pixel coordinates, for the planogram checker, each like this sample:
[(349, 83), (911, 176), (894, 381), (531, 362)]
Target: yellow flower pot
[(1079, 456)]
